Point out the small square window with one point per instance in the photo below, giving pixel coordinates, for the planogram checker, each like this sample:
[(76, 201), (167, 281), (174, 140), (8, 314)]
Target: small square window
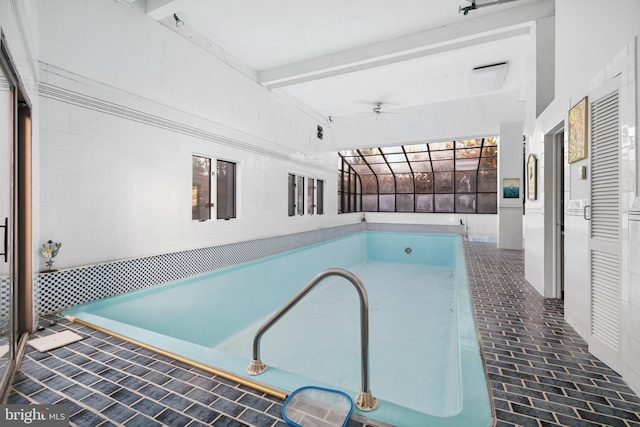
[(300, 195), (226, 189), (311, 196), (292, 195), (320, 197), (299, 189), (201, 189)]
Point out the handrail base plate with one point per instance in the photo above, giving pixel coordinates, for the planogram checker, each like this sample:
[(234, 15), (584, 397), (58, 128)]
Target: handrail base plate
[(256, 367), (365, 401)]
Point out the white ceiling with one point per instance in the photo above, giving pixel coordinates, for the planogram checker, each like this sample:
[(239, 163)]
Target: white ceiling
[(341, 57)]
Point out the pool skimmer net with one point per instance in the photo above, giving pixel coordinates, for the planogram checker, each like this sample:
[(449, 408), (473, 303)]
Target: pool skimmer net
[(317, 407)]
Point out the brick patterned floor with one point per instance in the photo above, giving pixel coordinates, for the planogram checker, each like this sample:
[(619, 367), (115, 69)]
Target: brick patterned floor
[(540, 371), (110, 382)]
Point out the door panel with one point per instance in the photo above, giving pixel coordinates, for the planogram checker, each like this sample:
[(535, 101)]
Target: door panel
[(604, 230), (559, 214), (7, 121)]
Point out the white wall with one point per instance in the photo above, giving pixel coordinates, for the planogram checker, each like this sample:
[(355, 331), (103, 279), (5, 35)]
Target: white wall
[(113, 187), (469, 118), (599, 56), (533, 221), (544, 63), (125, 104), (482, 228), (510, 167), (18, 26), (115, 43)]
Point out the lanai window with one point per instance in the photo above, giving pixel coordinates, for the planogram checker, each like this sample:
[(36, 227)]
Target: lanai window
[(448, 177)]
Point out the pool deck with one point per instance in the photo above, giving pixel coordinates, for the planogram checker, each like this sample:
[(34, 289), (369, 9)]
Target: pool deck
[(540, 371)]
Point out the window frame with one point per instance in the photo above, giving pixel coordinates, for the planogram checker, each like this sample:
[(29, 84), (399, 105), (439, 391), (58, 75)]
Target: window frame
[(311, 196), (213, 211), (305, 195), (234, 192), (201, 218), (300, 199), (291, 194), (320, 196), (426, 177)]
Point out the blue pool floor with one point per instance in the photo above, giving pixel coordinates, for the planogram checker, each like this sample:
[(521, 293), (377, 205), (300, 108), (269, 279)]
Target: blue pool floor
[(540, 371)]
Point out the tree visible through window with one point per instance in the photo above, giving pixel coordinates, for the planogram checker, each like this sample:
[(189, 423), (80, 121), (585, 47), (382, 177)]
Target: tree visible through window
[(201, 189), (311, 196), (453, 176), (300, 195)]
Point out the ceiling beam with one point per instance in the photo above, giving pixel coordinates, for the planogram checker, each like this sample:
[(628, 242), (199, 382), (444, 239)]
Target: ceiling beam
[(468, 32), (382, 61), (163, 10)]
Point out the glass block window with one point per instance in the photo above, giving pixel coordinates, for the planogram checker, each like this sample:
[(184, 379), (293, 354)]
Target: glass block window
[(451, 176)]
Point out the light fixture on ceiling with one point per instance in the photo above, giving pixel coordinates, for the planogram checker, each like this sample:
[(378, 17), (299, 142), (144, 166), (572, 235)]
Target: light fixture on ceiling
[(465, 10), (179, 22), (488, 78), (378, 109)]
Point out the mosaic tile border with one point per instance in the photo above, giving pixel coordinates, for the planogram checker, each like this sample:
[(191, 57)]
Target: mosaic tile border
[(58, 290), (55, 291), (5, 297)]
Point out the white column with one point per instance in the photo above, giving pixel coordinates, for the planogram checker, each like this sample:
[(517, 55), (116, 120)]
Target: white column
[(510, 175)]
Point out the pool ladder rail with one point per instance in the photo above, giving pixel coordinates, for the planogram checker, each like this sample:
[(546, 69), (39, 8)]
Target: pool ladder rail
[(365, 400)]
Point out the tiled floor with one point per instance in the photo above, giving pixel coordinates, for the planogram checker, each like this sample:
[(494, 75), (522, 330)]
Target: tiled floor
[(109, 382), (540, 371)]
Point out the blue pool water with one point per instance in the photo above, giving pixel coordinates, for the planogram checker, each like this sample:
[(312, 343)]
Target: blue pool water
[(425, 364)]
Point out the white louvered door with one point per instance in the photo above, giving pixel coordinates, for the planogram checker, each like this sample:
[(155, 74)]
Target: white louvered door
[(604, 230)]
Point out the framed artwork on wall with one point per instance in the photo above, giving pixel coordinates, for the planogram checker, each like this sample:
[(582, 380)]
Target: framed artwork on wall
[(511, 188), (532, 177), (578, 148)]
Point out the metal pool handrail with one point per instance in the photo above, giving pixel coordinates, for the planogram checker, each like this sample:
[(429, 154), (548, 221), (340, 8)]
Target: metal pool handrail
[(365, 400)]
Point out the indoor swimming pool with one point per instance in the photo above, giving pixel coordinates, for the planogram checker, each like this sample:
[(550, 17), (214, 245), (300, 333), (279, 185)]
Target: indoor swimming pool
[(425, 366)]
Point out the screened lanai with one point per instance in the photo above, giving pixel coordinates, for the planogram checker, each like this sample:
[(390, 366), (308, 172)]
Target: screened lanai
[(453, 176)]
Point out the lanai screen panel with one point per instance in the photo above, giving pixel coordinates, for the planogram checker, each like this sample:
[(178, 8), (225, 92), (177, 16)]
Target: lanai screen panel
[(451, 176)]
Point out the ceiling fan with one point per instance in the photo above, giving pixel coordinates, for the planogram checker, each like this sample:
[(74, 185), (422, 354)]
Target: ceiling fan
[(379, 109)]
